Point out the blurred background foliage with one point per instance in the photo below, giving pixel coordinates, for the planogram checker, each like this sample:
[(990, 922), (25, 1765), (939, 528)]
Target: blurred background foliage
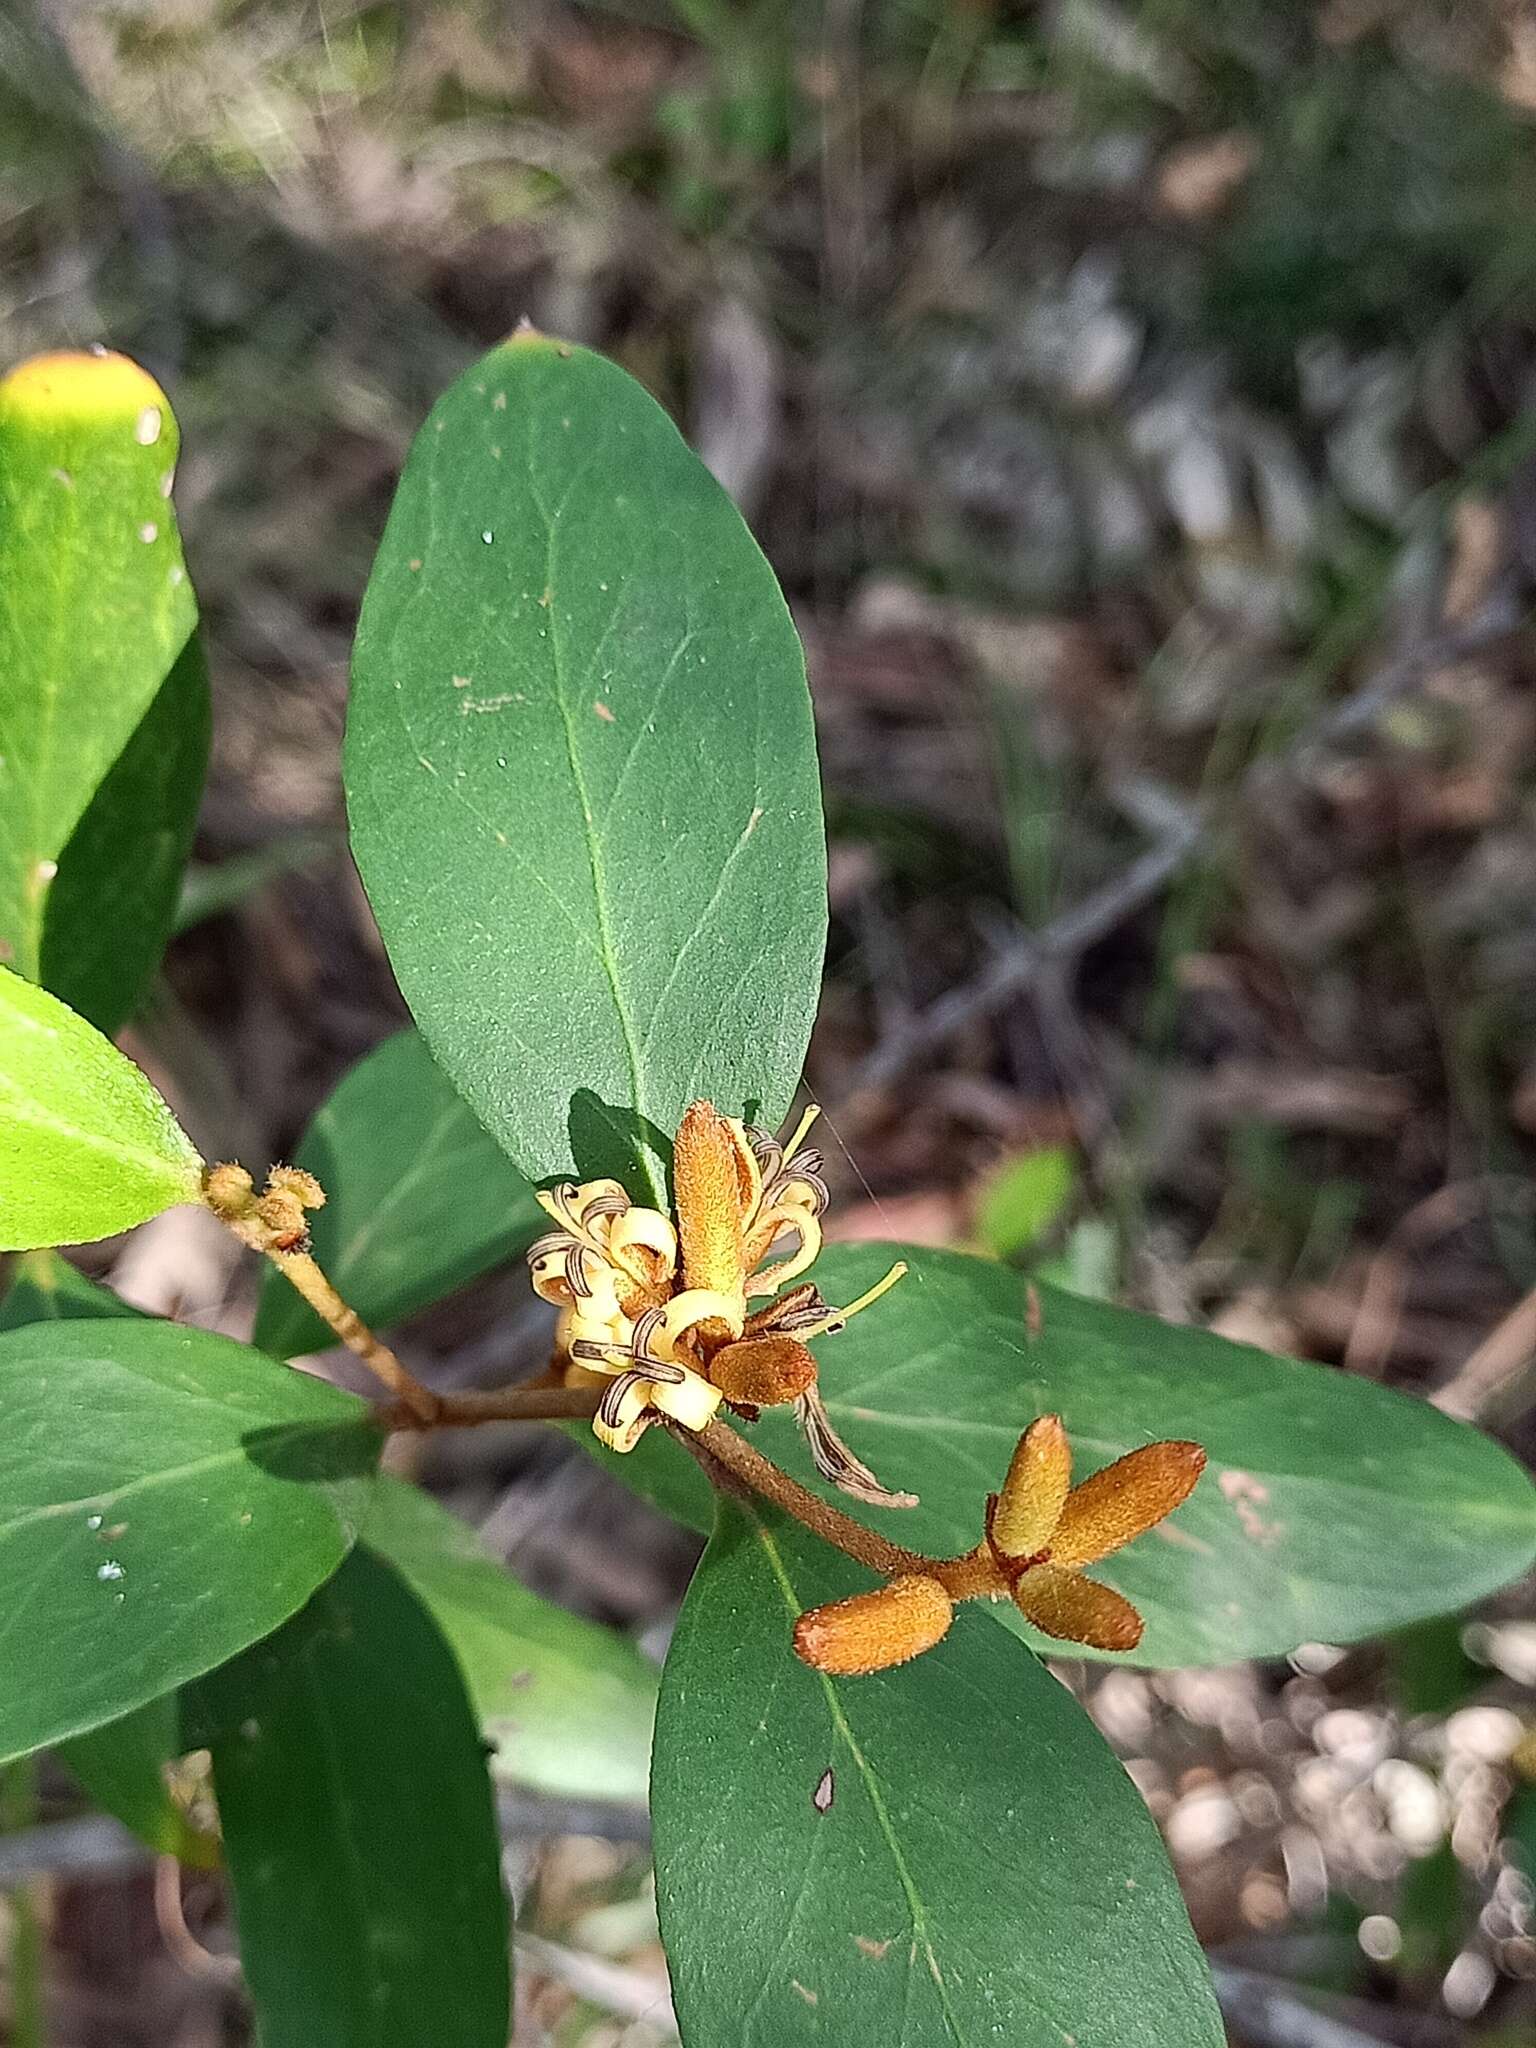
[(1138, 402)]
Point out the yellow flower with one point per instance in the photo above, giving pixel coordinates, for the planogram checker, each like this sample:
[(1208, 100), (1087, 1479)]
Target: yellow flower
[(664, 1311)]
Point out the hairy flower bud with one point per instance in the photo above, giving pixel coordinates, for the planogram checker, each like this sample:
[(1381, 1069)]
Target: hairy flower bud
[(873, 1631), (713, 1188), (1035, 1491), (763, 1372), (1122, 1501)]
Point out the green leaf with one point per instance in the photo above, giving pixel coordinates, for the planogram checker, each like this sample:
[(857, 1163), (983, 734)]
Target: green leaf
[(1332, 1508), (568, 1705), (95, 609), (418, 1199), (1022, 1199), (48, 1289), (113, 904), (943, 1853), (581, 772), (166, 1497), (124, 1767), (359, 1827), (90, 1147)]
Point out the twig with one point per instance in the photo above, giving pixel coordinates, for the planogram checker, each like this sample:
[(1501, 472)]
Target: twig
[(304, 1275), (1497, 1363), (1494, 618), (1179, 828), (1019, 964), (274, 1224), (627, 1994), (719, 1449), (503, 1404)]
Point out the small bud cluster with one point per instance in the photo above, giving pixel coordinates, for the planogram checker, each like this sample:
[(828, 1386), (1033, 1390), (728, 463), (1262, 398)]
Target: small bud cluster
[(1040, 1533), (273, 1221)]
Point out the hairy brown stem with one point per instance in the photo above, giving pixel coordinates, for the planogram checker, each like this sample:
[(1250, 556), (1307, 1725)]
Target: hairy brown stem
[(504, 1404), (301, 1272), (273, 1223), (719, 1449)]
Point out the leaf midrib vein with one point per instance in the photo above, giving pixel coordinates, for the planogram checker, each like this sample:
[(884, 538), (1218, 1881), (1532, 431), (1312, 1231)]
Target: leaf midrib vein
[(908, 1883), (605, 946)]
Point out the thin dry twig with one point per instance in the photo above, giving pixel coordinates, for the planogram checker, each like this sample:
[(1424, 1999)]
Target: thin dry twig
[(627, 1994), (1502, 1358), (1179, 828)]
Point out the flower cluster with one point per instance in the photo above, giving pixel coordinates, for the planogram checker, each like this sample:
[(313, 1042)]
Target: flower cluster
[(663, 1311), (1040, 1533)]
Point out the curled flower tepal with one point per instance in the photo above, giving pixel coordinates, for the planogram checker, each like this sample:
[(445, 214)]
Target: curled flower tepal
[(1040, 1533), (1042, 1530), (665, 1312)]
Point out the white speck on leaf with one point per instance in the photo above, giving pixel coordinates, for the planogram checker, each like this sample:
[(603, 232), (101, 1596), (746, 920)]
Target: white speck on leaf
[(110, 1570), (93, 1523), (146, 428), (46, 870), (825, 1793), (149, 531), (487, 536)]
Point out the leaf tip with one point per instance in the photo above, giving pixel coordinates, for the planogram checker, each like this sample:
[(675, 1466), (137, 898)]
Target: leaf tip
[(93, 385)]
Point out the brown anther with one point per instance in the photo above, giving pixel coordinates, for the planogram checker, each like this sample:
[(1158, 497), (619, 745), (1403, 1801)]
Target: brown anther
[(874, 1631), (762, 1372)]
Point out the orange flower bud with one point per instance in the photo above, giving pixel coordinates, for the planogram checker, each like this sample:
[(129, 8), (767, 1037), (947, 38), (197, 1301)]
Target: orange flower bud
[(873, 1631), (1077, 1610), (1114, 1506), (1035, 1491), (715, 1180), (763, 1372)]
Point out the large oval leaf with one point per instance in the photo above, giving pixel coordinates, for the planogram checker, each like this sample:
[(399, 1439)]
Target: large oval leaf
[(419, 1199), (89, 1147), (946, 1853), (1320, 1484), (581, 771), (359, 1827), (567, 1705), (166, 1497), (124, 1764), (95, 610), (114, 900)]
